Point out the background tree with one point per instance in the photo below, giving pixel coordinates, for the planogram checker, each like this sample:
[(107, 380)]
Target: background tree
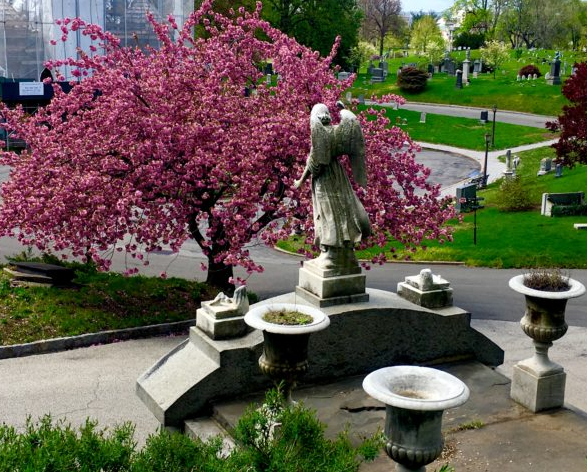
[(317, 23), (153, 147), (571, 147), (382, 17), (425, 32), (494, 54)]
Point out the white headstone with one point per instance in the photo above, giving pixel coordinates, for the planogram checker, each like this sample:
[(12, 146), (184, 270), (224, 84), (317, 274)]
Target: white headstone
[(268, 79), (423, 117)]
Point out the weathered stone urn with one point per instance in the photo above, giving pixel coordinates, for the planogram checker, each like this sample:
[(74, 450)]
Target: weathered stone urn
[(539, 383), (285, 347), (415, 399)]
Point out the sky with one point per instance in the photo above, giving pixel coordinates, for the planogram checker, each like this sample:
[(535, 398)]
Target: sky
[(426, 5)]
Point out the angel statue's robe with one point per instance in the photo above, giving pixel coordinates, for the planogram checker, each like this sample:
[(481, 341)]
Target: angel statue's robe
[(339, 217)]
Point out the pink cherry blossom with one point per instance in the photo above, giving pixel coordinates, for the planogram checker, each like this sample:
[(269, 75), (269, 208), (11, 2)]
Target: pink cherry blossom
[(190, 141)]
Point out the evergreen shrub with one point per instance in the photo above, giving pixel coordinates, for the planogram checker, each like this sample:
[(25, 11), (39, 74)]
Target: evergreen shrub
[(412, 79)]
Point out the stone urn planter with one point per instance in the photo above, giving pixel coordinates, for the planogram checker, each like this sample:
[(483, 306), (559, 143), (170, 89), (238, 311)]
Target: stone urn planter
[(537, 382), (285, 347), (415, 399)]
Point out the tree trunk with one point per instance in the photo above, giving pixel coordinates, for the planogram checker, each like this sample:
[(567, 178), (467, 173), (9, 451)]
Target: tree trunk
[(219, 275)]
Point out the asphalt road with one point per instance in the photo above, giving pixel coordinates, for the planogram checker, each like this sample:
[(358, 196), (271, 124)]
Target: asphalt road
[(524, 119)]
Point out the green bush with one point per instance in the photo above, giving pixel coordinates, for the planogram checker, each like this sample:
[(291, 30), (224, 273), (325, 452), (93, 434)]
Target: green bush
[(412, 79), (276, 437), (530, 70), (513, 195), (569, 210)]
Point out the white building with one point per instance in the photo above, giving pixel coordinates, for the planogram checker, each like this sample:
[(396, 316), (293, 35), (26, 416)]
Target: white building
[(28, 26)]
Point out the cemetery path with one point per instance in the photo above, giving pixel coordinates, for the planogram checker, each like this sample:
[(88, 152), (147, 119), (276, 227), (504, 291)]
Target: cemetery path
[(503, 116)]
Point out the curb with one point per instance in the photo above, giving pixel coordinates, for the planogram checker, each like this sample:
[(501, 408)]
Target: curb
[(454, 263), (47, 346)]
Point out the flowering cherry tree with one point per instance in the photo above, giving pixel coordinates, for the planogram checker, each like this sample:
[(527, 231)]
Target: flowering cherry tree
[(153, 147), (571, 148)]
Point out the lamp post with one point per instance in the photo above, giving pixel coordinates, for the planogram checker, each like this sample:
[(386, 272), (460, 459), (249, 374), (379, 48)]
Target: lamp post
[(487, 139), (493, 132)]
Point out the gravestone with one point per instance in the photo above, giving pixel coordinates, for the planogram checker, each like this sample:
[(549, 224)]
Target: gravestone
[(450, 67), (430, 69), (518, 77), (475, 75), (459, 83), (484, 118), (547, 76), (516, 162), (370, 68), (466, 67), (343, 75), (535, 76), (523, 77), (377, 75), (268, 79), (477, 66), (423, 117), (509, 171), (361, 99), (555, 71), (558, 170), (268, 68), (398, 120), (223, 317), (545, 166), (349, 97)]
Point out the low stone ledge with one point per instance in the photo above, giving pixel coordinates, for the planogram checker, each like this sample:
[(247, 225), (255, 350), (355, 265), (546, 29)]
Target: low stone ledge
[(46, 346)]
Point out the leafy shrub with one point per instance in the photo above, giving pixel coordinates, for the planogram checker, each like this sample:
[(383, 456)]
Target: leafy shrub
[(412, 79), (514, 195), (530, 69), (295, 443), (569, 210)]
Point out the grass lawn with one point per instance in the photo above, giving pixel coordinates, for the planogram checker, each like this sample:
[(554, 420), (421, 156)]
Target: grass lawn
[(465, 132), (485, 91), (511, 240), (99, 302)]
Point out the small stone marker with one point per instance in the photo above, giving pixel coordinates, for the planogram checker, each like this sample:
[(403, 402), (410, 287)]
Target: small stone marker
[(558, 170), (349, 97), (484, 117), (423, 117), (518, 77), (426, 289), (459, 83), (268, 79)]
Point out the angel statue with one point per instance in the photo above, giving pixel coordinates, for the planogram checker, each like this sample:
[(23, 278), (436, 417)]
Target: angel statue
[(340, 220)]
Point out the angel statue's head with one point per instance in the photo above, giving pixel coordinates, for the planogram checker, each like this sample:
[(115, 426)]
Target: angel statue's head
[(320, 112)]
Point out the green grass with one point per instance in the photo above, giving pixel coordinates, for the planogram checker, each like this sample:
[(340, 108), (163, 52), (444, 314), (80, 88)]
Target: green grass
[(485, 91), (98, 302), (465, 132), (509, 240)]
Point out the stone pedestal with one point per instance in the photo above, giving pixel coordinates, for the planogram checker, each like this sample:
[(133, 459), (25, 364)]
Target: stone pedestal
[(538, 391), (223, 317), (329, 287), (426, 289)]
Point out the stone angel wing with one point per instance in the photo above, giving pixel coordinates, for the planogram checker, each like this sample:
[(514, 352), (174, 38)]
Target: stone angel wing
[(321, 151), (349, 140)]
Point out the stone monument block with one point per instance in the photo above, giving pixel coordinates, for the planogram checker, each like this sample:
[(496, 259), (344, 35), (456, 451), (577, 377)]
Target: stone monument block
[(426, 289), (223, 317)]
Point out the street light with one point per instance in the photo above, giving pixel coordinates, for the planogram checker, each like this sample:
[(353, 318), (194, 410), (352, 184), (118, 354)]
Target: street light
[(493, 132), (487, 139)]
